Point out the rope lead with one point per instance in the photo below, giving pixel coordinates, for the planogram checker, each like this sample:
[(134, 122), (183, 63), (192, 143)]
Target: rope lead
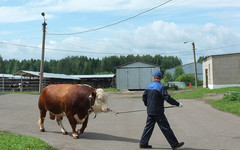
[(124, 112)]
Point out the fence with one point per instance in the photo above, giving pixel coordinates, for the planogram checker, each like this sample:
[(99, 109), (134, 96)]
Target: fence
[(19, 84)]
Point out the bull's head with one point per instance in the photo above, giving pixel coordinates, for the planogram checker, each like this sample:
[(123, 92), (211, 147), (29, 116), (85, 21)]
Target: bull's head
[(100, 104)]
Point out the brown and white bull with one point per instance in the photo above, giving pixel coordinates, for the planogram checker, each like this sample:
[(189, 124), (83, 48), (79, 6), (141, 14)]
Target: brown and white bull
[(75, 102)]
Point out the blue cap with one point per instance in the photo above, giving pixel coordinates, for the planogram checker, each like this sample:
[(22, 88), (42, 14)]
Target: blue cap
[(157, 73)]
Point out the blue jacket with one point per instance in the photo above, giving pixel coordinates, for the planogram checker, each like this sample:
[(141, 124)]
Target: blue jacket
[(154, 96)]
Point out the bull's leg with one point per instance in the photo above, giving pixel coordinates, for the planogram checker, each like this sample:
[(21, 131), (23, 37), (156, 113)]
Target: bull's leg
[(59, 121), (51, 116), (84, 125), (41, 120), (73, 124)]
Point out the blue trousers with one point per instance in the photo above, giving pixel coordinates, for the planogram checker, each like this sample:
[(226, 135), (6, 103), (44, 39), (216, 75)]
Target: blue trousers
[(163, 125)]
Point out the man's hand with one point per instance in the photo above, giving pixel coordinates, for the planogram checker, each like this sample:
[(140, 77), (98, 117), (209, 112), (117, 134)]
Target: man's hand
[(180, 105)]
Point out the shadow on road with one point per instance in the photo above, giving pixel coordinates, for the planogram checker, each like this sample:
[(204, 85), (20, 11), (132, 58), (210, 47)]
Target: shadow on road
[(107, 137), (3, 94), (182, 148), (194, 149)]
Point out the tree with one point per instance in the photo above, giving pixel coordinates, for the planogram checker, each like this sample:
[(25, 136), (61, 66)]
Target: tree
[(86, 69), (178, 71), (10, 65), (16, 67), (25, 64), (167, 77), (201, 58), (169, 62), (85, 65), (188, 78), (2, 66)]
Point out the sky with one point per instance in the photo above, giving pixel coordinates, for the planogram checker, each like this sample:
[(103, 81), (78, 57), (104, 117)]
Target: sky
[(129, 27)]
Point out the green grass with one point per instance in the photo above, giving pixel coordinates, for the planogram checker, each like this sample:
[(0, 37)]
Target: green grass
[(111, 90), (19, 142), (33, 93), (232, 107), (229, 103), (202, 92)]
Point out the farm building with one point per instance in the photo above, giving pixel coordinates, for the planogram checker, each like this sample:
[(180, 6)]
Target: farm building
[(135, 76), (30, 80), (221, 71), (7, 81), (189, 69), (97, 81)]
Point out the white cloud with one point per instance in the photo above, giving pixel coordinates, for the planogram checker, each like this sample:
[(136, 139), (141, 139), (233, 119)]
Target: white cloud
[(157, 37), (17, 52), (212, 3), (31, 10)]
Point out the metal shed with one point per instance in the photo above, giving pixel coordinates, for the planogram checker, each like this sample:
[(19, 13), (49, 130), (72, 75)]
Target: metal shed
[(189, 69), (135, 76)]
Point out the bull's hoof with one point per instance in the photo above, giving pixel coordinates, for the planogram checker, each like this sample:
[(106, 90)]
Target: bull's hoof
[(75, 136), (80, 132), (64, 133), (42, 130)]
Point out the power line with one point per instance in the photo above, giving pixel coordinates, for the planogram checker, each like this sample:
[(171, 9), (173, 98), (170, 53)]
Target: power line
[(91, 52), (20, 45), (218, 47), (94, 52), (113, 24)]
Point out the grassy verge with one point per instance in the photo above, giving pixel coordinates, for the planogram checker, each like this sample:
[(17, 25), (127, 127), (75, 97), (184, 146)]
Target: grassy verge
[(202, 92), (34, 93), (229, 103), (111, 90), (19, 142)]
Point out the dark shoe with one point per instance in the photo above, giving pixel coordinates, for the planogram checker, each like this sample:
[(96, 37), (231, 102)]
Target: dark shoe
[(179, 145), (145, 146)]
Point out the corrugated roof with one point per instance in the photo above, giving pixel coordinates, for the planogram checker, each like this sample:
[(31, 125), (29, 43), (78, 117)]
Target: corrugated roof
[(61, 76), (137, 64), (9, 76), (94, 76), (45, 75)]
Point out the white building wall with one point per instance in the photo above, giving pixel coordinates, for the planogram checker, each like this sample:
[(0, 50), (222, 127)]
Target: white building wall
[(222, 71)]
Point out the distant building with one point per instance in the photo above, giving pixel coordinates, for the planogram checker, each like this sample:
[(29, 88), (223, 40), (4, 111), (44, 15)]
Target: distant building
[(221, 71), (189, 69), (135, 76), (9, 82)]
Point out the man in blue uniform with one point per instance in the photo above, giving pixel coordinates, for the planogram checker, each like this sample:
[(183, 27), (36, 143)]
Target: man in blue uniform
[(153, 98)]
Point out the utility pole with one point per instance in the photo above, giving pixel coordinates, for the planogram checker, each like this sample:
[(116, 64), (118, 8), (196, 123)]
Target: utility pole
[(195, 66), (43, 49)]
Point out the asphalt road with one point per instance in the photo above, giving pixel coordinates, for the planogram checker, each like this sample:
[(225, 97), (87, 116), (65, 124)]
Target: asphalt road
[(199, 125)]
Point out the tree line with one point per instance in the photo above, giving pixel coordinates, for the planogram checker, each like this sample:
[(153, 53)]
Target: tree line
[(77, 65)]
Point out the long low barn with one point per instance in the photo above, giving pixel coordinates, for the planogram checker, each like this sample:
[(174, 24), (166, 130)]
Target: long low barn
[(32, 78)]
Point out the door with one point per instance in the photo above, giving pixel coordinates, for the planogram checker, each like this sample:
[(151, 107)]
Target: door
[(206, 77)]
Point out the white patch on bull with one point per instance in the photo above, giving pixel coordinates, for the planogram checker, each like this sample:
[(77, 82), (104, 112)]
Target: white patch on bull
[(62, 128), (59, 115), (79, 121), (100, 104), (90, 111), (40, 124), (85, 85), (75, 135)]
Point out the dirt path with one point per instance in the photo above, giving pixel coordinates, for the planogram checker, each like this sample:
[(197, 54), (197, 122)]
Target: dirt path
[(199, 125)]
